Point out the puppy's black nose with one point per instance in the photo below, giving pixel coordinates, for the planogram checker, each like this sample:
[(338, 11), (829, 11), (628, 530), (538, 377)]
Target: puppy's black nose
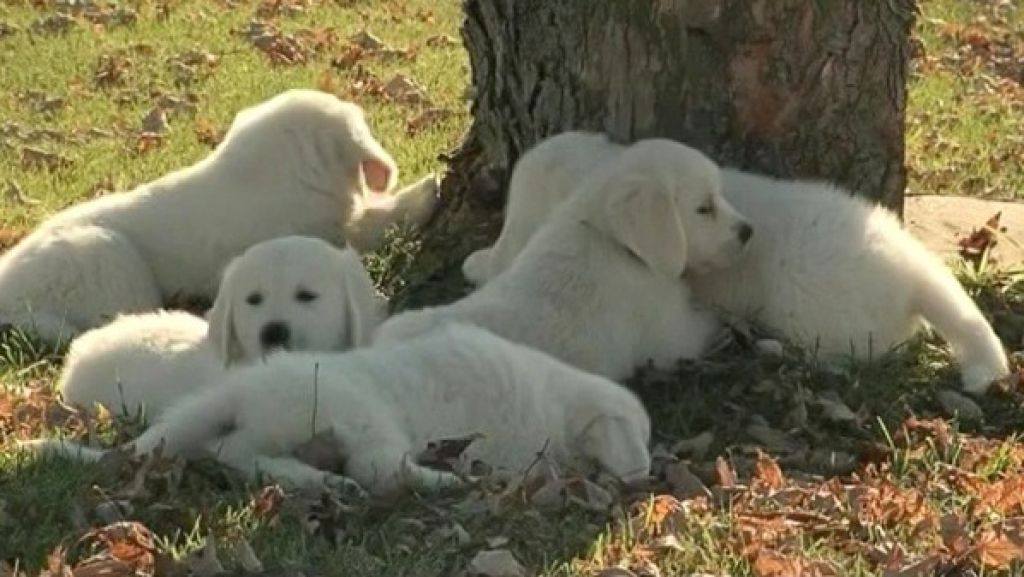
[(274, 335), (746, 231)]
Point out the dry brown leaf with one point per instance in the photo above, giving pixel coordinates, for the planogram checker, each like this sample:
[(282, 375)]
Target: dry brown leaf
[(112, 70), (724, 474), (56, 565), (196, 58), (405, 90), (997, 549), (38, 158), (684, 484), (208, 134), (767, 471), (103, 567), (147, 141), (186, 104), (444, 453), (267, 503), (120, 16), (429, 116), (54, 23), (441, 41), (663, 507), (274, 8), (155, 121), (1005, 496), (922, 568), (143, 49), (981, 240), (125, 547), (367, 41), (426, 16), (769, 563), (8, 29), (349, 57), (41, 101), (955, 540), (317, 40)]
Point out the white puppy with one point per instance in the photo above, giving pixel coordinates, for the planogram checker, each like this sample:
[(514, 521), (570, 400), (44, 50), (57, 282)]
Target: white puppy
[(381, 406), (826, 269), (302, 162), (293, 293), (599, 285)]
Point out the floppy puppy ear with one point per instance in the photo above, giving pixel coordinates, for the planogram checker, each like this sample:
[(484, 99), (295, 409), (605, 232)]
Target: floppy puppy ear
[(220, 331), (363, 309), (641, 214), (380, 175)]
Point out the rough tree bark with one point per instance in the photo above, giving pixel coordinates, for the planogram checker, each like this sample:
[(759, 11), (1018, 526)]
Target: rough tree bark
[(793, 88)]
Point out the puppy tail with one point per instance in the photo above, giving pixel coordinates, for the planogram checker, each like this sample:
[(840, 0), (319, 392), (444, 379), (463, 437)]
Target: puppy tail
[(945, 305), (62, 448)]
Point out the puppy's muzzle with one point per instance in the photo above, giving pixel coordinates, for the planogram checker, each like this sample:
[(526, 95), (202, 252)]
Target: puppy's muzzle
[(744, 231), (275, 335)]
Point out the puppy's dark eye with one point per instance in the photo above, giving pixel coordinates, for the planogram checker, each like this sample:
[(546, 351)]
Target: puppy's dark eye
[(306, 296), (254, 299), (706, 209)]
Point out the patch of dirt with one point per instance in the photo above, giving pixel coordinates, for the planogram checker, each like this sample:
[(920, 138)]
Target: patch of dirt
[(942, 221)]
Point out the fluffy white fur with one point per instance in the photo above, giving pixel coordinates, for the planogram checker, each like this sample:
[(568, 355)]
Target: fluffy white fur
[(599, 285), (825, 269), (379, 413), (295, 293), (302, 162)]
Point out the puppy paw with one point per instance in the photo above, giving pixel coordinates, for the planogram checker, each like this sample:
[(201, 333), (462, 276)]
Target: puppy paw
[(346, 488), (474, 268), (419, 478), (977, 378)]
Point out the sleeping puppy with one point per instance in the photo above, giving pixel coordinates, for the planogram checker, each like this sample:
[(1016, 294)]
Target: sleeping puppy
[(827, 270), (291, 293), (302, 162), (379, 413), (599, 285)]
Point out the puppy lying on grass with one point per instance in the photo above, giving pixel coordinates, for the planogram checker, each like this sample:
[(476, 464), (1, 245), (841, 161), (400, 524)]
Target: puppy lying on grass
[(301, 163), (290, 293), (825, 269), (382, 405), (599, 285)]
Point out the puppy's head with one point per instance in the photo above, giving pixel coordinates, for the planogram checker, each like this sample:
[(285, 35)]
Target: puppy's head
[(662, 200), (293, 293), (317, 138)]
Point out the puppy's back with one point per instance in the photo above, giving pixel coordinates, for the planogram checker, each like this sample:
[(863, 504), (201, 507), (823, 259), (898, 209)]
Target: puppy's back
[(149, 359)]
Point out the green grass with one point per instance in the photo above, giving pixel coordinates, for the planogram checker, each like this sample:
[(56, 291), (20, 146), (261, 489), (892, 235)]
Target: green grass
[(966, 115), (63, 65), (963, 137)]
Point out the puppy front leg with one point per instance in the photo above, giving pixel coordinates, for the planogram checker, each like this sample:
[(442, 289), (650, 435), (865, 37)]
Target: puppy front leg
[(420, 478), (235, 452), (414, 204), (618, 446), (387, 468)]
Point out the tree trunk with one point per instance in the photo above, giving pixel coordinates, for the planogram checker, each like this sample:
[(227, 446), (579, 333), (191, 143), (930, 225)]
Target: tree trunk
[(792, 88)]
